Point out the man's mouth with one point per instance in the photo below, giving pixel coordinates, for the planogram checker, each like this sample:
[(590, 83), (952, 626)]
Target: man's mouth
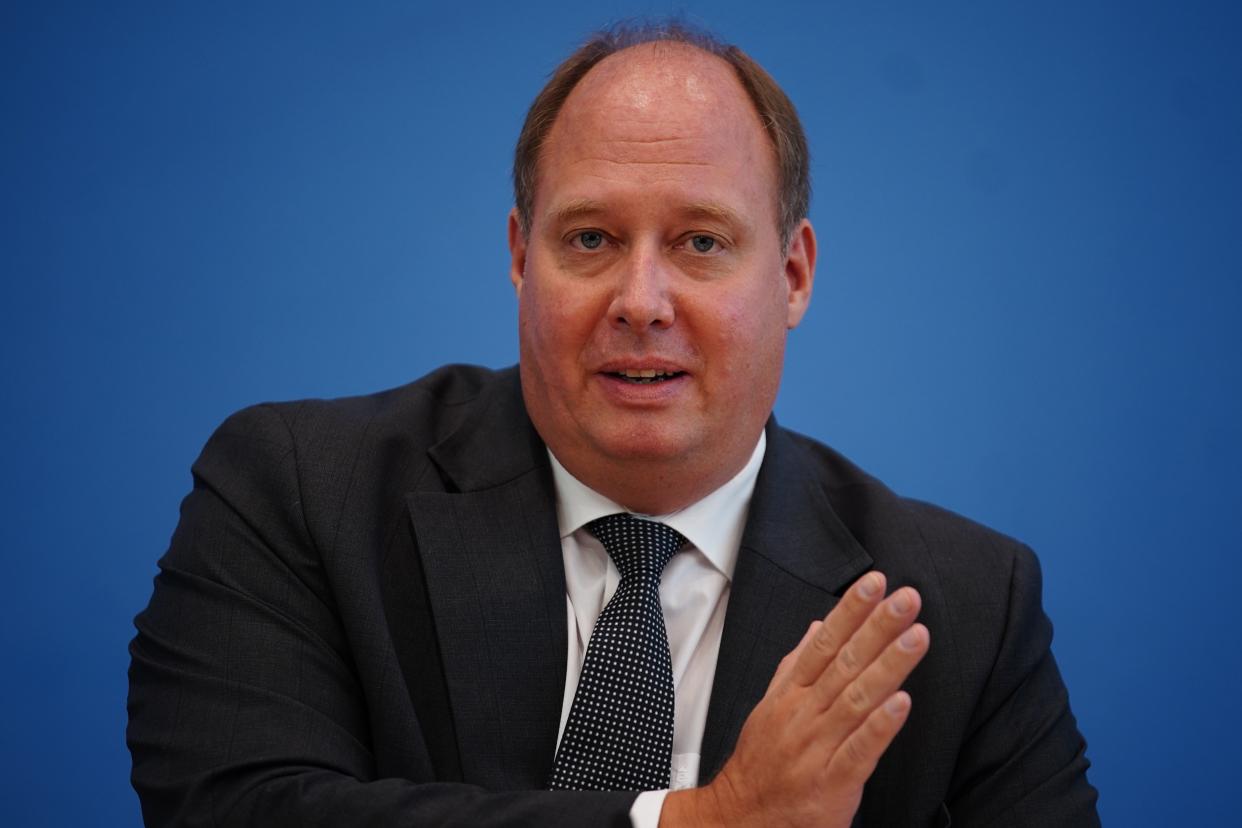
[(645, 376)]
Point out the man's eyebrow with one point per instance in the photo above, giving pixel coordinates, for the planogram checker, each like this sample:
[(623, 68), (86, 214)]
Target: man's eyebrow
[(584, 207), (576, 209), (713, 212)]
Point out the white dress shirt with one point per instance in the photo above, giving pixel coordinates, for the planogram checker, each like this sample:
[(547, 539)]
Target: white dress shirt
[(694, 591)]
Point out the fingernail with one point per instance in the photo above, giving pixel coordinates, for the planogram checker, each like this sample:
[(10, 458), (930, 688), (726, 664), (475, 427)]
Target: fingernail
[(869, 586), (901, 601), (897, 705), (910, 638)]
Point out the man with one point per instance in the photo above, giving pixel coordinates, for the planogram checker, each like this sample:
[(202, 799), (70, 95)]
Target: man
[(397, 609)]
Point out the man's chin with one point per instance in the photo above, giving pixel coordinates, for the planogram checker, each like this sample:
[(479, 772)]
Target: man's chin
[(656, 448)]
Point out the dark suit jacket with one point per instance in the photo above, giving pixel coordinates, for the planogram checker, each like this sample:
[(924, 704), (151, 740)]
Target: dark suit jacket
[(361, 621)]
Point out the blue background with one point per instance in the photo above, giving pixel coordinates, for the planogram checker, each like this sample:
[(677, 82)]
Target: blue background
[(1025, 309)]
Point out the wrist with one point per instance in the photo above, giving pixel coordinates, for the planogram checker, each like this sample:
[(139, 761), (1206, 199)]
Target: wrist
[(691, 808), (708, 806)]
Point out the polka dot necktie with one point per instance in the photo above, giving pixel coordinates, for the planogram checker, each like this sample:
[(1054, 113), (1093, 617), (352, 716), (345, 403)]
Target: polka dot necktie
[(619, 735)]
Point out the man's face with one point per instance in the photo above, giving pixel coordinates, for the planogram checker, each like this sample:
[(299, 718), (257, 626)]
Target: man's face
[(654, 295)]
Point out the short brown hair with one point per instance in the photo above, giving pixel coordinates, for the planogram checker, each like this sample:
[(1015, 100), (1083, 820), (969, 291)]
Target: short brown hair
[(775, 110)]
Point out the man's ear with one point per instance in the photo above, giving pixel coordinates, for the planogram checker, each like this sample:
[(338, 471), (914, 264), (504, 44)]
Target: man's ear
[(517, 252), (800, 271)]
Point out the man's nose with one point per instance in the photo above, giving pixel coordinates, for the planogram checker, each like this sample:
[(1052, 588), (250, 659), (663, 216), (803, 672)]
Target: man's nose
[(643, 297)]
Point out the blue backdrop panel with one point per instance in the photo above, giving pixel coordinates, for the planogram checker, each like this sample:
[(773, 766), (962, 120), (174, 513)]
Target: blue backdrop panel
[(1025, 308)]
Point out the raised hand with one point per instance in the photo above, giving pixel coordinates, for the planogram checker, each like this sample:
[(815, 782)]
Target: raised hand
[(831, 710)]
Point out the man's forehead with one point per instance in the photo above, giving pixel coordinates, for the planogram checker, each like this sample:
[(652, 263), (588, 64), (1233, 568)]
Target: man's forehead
[(661, 128), (639, 79), (657, 104)]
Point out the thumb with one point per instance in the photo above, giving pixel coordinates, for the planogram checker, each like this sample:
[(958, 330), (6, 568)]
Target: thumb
[(783, 670)]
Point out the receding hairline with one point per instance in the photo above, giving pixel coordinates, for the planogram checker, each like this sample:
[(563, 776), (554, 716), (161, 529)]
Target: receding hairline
[(585, 206), (773, 109), (657, 46), (610, 64)]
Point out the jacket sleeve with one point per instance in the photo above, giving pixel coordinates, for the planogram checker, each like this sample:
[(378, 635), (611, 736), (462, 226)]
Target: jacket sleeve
[(1023, 761), (244, 703)]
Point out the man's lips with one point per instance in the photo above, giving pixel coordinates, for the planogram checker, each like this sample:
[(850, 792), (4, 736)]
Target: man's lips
[(644, 386), (640, 370), (644, 376)]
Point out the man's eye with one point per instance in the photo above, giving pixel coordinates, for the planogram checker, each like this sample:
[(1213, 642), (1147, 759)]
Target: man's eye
[(703, 244), (590, 239)]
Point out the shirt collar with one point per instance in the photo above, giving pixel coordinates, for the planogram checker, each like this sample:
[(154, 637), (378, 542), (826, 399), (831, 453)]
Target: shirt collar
[(714, 524)]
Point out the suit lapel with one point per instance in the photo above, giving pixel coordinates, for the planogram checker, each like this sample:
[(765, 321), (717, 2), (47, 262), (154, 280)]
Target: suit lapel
[(795, 559), (491, 557)]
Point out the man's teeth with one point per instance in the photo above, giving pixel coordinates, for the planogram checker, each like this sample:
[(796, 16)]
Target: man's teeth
[(646, 375)]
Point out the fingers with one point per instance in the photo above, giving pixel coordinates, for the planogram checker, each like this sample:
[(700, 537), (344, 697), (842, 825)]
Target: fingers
[(885, 623), (877, 683), (833, 707), (841, 624), (854, 761)]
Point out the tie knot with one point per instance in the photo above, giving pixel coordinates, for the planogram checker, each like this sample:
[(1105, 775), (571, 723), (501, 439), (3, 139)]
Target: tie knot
[(636, 546)]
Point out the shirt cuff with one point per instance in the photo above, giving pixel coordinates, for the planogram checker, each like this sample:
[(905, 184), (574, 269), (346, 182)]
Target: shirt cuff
[(645, 812)]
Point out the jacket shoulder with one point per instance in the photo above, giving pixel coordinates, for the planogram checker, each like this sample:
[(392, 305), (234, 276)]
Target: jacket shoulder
[(410, 417), (320, 451), (423, 410), (903, 533)]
